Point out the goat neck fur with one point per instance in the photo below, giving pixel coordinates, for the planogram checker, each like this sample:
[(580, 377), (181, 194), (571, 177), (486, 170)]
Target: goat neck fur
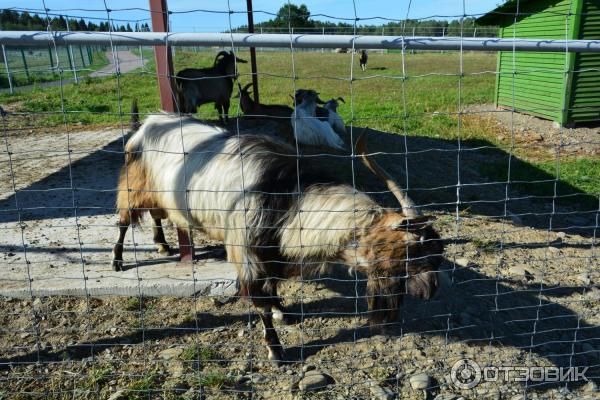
[(310, 130)]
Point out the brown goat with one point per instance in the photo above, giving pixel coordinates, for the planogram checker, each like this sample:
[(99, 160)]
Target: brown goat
[(253, 110)]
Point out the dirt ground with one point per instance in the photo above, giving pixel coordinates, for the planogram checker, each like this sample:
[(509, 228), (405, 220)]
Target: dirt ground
[(537, 135), (520, 288)]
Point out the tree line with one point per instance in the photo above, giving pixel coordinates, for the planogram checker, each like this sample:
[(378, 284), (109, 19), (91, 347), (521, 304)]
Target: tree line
[(11, 20), (299, 17)]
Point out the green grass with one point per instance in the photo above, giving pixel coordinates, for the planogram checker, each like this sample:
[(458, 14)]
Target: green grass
[(41, 72), (213, 379), (200, 354), (143, 388), (578, 179), (486, 246)]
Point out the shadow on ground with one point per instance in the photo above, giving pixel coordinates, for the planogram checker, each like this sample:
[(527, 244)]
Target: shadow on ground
[(435, 167)]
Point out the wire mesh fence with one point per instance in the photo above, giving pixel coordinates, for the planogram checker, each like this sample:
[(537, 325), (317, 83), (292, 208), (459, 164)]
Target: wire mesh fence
[(440, 243)]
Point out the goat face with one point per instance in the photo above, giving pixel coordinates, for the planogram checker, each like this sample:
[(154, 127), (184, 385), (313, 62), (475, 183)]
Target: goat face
[(399, 256)]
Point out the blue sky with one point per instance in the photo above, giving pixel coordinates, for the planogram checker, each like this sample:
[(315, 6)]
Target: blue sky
[(205, 22)]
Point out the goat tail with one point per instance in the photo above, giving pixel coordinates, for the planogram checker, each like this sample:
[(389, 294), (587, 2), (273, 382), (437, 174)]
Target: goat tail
[(135, 116)]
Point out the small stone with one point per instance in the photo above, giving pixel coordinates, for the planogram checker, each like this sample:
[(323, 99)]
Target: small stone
[(314, 381), (463, 262), (561, 235), (113, 330), (518, 397), (590, 387), (307, 368), (584, 278), (419, 381), (118, 395), (37, 303), (553, 249), (25, 335), (169, 354), (381, 393), (522, 271), (593, 293), (446, 396)]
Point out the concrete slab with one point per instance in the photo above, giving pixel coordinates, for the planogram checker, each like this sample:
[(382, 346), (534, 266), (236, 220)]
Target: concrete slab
[(47, 267), (57, 231)]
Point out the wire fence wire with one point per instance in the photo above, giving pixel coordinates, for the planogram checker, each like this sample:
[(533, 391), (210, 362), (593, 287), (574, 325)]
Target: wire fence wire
[(299, 243)]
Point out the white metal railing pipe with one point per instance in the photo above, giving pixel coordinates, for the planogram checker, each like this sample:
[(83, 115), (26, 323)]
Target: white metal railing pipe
[(39, 38)]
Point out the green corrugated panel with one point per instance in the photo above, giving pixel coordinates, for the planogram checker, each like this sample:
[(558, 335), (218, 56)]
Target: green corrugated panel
[(584, 103), (538, 85)]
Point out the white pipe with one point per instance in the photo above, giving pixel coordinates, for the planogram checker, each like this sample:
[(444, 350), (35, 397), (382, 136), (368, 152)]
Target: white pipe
[(39, 38)]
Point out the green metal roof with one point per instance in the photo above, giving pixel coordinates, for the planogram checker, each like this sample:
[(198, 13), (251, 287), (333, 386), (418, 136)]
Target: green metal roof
[(505, 14)]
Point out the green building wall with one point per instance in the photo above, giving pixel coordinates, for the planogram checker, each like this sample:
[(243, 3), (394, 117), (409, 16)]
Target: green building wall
[(537, 82), (584, 99)]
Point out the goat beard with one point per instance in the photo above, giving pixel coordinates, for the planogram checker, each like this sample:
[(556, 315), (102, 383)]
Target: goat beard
[(384, 297), (385, 293)]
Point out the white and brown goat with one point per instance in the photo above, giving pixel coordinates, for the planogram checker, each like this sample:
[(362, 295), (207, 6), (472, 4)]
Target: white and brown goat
[(243, 190)]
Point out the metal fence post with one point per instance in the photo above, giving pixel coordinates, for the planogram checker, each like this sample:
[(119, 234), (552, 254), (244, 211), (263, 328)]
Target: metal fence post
[(10, 82), (142, 57), (25, 64), (71, 58), (81, 55), (50, 57)]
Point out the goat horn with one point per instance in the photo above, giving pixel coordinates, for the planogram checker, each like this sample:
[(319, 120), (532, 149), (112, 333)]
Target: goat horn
[(408, 206), (247, 86), (219, 54)]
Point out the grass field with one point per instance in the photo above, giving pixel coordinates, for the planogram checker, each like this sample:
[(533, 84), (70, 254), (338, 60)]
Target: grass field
[(424, 104), (40, 69)]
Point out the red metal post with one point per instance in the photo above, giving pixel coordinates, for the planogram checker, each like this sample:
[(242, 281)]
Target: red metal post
[(252, 51), (164, 72), (162, 54)]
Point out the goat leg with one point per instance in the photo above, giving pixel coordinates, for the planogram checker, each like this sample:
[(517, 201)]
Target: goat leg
[(226, 110), (276, 353), (117, 253), (159, 238), (264, 304)]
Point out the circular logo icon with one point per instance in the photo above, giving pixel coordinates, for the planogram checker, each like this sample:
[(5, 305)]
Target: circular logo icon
[(465, 374)]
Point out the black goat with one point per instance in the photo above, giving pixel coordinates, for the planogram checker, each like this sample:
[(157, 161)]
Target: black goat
[(364, 57), (197, 86)]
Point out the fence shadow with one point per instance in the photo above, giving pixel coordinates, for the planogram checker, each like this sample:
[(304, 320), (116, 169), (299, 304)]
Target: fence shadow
[(475, 309), (433, 172)]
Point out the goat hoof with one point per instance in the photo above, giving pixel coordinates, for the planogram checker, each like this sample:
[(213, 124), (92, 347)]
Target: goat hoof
[(282, 317), (276, 355), (117, 265)]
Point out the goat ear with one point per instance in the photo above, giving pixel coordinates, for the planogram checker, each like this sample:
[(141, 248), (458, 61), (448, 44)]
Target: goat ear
[(341, 99), (319, 101), (241, 60)]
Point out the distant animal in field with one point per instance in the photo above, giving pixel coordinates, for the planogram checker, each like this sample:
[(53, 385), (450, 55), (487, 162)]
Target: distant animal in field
[(364, 57), (197, 86)]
